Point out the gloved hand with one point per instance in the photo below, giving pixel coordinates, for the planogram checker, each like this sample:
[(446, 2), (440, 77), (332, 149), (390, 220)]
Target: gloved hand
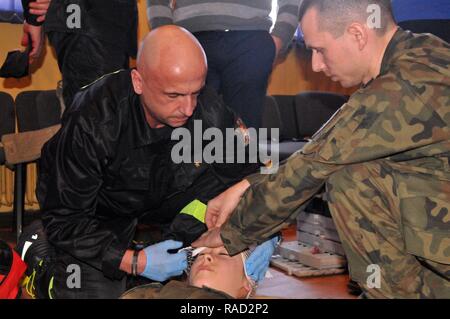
[(162, 265), (257, 263)]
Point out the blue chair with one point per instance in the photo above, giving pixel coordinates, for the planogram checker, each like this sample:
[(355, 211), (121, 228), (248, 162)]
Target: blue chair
[(419, 16), (298, 117)]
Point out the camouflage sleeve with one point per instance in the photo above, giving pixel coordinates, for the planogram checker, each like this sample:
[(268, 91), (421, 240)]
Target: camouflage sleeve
[(272, 201), (389, 117)]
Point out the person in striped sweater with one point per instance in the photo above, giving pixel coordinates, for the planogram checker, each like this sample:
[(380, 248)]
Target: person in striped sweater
[(239, 45)]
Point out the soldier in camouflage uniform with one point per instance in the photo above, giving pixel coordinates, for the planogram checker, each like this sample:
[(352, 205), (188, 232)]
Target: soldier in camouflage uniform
[(173, 290), (384, 157)]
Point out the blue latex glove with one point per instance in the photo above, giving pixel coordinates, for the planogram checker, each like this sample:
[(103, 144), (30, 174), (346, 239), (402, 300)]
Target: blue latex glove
[(258, 262), (162, 265)]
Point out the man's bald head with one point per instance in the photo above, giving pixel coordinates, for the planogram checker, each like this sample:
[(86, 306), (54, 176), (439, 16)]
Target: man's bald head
[(170, 51), (171, 72)]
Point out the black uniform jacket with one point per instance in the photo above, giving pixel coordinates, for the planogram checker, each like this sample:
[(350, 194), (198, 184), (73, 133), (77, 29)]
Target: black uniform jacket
[(106, 169)]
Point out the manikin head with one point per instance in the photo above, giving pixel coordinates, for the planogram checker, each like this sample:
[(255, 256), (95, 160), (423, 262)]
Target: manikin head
[(216, 269)]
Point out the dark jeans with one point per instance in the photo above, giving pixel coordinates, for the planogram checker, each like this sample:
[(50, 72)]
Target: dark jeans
[(239, 66), (82, 60)]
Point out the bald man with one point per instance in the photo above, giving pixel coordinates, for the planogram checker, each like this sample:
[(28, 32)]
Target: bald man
[(110, 167)]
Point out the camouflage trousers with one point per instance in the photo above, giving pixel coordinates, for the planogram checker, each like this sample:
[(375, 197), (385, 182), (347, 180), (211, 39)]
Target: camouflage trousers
[(394, 225)]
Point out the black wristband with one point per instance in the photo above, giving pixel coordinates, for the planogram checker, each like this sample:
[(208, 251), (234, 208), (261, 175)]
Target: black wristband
[(134, 263), (29, 17)]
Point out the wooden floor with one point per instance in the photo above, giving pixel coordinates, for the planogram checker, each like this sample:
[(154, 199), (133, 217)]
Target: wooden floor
[(280, 285), (291, 287)]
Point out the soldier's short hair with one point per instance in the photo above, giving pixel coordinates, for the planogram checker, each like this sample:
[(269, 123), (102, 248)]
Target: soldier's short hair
[(336, 15)]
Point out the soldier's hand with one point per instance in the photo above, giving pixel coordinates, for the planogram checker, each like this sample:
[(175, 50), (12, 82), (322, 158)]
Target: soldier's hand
[(221, 207), (210, 239)]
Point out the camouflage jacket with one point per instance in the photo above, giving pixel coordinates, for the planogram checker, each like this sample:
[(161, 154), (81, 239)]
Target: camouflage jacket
[(173, 290), (402, 116)]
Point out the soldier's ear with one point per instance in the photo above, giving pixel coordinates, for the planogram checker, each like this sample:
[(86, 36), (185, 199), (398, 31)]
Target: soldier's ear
[(359, 34), (137, 80)]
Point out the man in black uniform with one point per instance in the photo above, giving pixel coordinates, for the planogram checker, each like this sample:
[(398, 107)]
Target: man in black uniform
[(91, 37), (110, 166)]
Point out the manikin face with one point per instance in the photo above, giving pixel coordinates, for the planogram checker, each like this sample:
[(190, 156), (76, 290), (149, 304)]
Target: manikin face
[(341, 59), (216, 269)]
